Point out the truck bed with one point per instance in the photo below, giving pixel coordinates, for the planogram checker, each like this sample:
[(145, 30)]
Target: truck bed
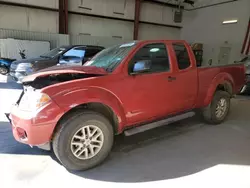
[(235, 75)]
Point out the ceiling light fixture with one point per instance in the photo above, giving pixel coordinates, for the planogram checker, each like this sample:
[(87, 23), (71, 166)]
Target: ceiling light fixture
[(229, 21)]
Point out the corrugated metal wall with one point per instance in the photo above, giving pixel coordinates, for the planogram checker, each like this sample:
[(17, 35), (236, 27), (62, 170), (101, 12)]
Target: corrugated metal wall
[(94, 40), (59, 39), (54, 39)]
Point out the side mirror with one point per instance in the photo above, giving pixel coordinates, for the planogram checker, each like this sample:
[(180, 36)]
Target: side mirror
[(141, 66)]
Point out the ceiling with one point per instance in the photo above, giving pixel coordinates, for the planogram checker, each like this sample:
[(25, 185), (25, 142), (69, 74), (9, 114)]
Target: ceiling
[(202, 3), (197, 3)]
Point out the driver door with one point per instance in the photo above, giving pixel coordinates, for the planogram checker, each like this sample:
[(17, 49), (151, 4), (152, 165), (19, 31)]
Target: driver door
[(151, 95)]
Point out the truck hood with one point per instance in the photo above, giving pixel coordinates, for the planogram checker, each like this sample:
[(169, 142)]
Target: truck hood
[(58, 70)]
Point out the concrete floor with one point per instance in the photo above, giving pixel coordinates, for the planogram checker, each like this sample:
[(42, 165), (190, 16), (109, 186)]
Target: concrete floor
[(185, 154)]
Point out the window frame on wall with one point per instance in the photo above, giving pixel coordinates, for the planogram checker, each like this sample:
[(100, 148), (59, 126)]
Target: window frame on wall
[(135, 59)]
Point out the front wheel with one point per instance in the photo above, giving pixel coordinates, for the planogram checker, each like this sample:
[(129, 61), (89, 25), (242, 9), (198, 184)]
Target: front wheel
[(218, 110), (83, 141)]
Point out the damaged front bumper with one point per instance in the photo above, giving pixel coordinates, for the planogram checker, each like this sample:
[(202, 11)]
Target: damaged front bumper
[(27, 133), (34, 129)]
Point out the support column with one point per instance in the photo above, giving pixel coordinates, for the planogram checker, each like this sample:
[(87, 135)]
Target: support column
[(137, 18), (63, 16)]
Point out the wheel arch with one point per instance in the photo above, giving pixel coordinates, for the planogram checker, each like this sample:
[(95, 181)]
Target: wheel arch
[(98, 107), (223, 82), (225, 86)]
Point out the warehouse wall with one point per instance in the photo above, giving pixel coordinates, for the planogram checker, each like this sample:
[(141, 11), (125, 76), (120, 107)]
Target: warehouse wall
[(42, 3), (158, 14), (112, 8), (87, 25), (205, 26), (29, 19), (148, 31), (94, 26), (54, 39), (121, 9)]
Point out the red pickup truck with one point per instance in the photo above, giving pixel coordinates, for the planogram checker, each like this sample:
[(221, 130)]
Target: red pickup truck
[(127, 88)]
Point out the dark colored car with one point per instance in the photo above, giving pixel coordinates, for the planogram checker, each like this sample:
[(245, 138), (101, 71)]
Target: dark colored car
[(5, 65), (246, 87), (72, 55)]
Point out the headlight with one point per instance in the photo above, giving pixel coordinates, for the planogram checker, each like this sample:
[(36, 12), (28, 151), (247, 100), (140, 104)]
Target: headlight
[(42, 100), (23, 66), (33, 100)]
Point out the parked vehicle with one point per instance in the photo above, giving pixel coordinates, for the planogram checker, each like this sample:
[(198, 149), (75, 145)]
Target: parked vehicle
[(246, 88), (127, 88), (73, 55), (5, 65)]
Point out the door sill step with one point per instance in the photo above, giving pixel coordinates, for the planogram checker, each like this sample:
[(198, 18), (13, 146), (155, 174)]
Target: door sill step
[(153, 125)]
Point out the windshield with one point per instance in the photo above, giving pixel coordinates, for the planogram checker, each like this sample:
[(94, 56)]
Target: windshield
[(53, 52), (111, 57)]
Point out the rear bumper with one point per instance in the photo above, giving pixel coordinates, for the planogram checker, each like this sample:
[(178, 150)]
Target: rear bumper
[(35, 131)]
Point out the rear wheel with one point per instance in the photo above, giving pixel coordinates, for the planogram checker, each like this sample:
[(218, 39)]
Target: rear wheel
[(3, 70), (218, 110), (83, 141)]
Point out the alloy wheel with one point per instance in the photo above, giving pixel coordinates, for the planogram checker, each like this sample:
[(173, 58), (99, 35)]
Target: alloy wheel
[(87, 142)]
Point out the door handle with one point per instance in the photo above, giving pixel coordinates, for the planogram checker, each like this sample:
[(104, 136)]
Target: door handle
[(170, 78)]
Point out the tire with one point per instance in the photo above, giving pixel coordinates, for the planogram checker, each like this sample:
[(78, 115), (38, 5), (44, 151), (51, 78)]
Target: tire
[(67, 131), (3, 70), (210, 114)]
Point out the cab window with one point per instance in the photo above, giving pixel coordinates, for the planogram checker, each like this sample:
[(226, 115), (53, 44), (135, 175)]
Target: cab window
[(154, 55), (182, 56)]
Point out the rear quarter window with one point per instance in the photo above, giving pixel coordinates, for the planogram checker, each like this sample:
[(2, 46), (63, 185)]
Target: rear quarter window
[(182, 56)]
